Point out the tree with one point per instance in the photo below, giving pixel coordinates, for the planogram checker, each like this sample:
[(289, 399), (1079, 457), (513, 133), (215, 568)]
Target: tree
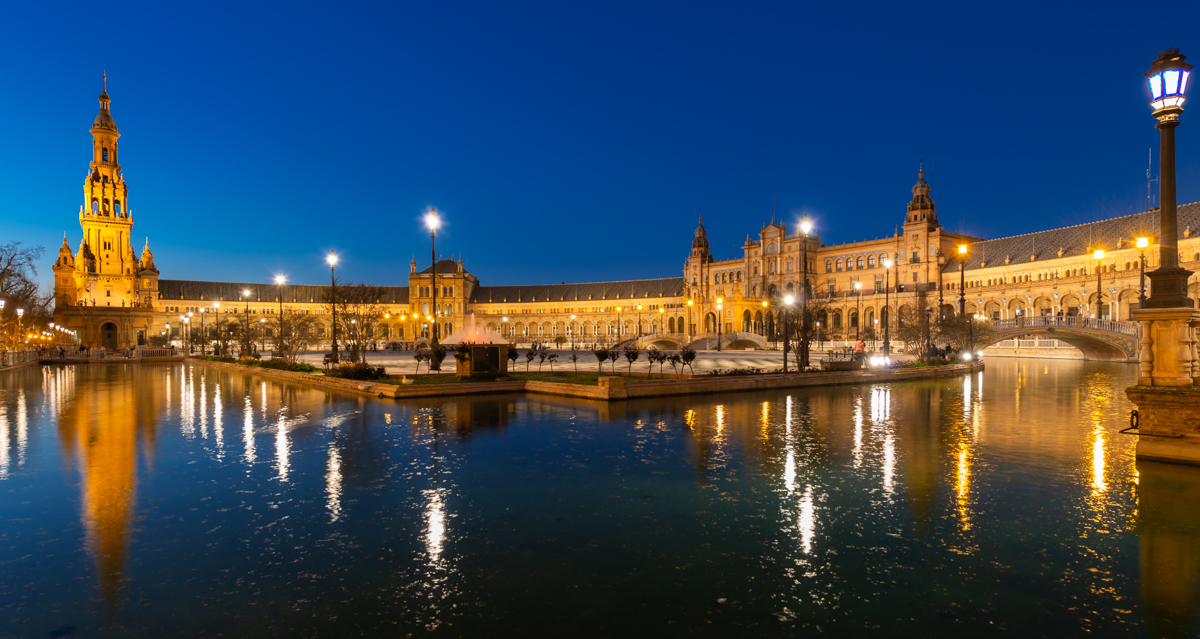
[(19, 288), (296, 333), (512, 356), (965, 332), (601, 356), (529, 355), (687, 356), (914, 327), (631, 356), (359, 308), (614, 354), (676, 362), (551, 358), (560, 340), (574, 360), (542, 354), (422, 355)]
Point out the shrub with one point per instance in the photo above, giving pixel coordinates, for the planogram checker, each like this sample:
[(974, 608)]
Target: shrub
[(283, 365), (359, 371)]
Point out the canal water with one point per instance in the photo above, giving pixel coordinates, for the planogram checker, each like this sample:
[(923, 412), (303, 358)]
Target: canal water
[(177, 500)]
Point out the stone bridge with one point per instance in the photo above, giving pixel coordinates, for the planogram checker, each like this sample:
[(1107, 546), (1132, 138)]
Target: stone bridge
[(1097, 338)]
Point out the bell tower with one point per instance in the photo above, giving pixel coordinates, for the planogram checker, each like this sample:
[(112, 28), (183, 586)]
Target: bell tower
[(104, 215)]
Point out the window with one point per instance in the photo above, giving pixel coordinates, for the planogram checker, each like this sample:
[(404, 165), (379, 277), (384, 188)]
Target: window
[(916, 278), (870, 261), (859, 262), (839, 265), (95, 207), (831, 285), (104, 154), (828, 266), (117, 207)]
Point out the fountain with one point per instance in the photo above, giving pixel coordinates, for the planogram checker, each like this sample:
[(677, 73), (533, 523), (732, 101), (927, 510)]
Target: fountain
[(488, 350), (475, 333)]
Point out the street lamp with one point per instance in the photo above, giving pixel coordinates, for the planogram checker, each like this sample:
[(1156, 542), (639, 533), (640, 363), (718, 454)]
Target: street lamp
[(618, 324), (1098, 254), (168, 333), (333, 346), (280, 280), (787, 303), (639, 309), (262, 334), (719, 320), (432, 221), (806, 228), (691, 326), (858, 312), (662, 327), (571, 332), (887, 315), (20, 313), (1168, 77), (1142, 244), (504, 326)]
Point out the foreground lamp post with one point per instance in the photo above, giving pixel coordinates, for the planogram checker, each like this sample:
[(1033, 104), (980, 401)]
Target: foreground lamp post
[(333, 346), (691, 326), (805, 228), (1168, 77), (887, 314), (571, 332), (20, 313), (432, 221), (639, 320), (662, 315), (1099, 257), (962, 279), (787, 303)]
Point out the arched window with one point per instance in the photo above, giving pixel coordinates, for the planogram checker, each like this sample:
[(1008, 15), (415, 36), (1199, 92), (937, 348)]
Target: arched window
[(870, 261), (104, 206), (95, 206), (104, 154), (839, 265), (858, 263), (837, 320), (739, 276), (828, 266), (117, 207)]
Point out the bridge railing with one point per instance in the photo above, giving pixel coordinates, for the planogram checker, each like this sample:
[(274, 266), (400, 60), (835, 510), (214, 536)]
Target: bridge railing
[(1055, 321)]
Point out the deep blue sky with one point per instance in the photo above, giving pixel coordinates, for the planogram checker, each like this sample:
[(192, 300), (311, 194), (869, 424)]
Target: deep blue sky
[(573, 141)]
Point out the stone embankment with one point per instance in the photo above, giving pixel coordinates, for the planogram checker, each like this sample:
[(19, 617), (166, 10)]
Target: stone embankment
[(609, 388)]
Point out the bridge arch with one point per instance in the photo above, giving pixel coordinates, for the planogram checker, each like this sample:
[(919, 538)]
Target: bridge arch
[(1098, 339)]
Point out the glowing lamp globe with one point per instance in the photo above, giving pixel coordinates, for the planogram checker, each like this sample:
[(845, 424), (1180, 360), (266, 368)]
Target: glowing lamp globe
[(962, 249), (332, 259), (805, 225), (1098, 254), (789, 299), (1168, 76), (1143, 242)]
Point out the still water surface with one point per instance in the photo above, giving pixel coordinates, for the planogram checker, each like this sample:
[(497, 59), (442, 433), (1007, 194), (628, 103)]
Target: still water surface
[(176, 500)]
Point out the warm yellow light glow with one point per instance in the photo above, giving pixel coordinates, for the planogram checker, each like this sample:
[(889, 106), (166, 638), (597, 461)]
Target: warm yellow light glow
[(332, 259), (280, 279), (639, 307), (431, 220), (887, 264), (962, 249), (246, 293), (720, 300), (788, 300), (857, 286), (618, 309), (690, 302), (1098, 254), (216, 305), (1143, 242), (764, 302)]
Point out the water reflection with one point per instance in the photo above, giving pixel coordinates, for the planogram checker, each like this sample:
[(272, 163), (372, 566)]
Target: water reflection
[(848, 508)]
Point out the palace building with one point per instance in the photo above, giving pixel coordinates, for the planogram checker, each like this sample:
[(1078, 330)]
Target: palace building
[(111, 298)]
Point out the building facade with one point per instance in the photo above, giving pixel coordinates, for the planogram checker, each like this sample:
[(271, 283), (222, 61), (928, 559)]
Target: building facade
[(112, 298)]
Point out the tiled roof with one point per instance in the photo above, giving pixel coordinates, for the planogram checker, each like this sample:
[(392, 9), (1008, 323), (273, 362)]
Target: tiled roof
[(608, 291), (1074, 241), (232, 292), (444, 266)]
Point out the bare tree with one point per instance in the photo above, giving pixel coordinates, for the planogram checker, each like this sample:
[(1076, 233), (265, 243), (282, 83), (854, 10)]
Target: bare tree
[(965, 332), (296, 332), (20, 289), (359, 308)]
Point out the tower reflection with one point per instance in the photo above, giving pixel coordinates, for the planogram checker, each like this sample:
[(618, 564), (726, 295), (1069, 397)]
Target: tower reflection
[(101, 429)]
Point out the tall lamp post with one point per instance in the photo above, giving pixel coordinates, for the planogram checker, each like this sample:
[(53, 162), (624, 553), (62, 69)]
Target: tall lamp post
[(333, 346), (1098, 255), (689, 318), (805, 228), (571, 332), (1168, 77), (1142, 244), (787, 303), (662, 315), (858, 312), (887, 314), (719, 320), (280, 280), (432, 221), (618, 325), (639, 320), (20, 335)]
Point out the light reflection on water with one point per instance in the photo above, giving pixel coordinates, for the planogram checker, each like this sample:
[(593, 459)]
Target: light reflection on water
[(922, 508)]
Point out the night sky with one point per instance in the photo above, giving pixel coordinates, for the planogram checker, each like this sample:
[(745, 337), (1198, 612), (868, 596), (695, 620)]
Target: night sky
[(574, 141)]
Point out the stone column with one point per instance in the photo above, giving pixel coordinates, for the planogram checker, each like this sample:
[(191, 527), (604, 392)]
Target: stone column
[(1167, 393)]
